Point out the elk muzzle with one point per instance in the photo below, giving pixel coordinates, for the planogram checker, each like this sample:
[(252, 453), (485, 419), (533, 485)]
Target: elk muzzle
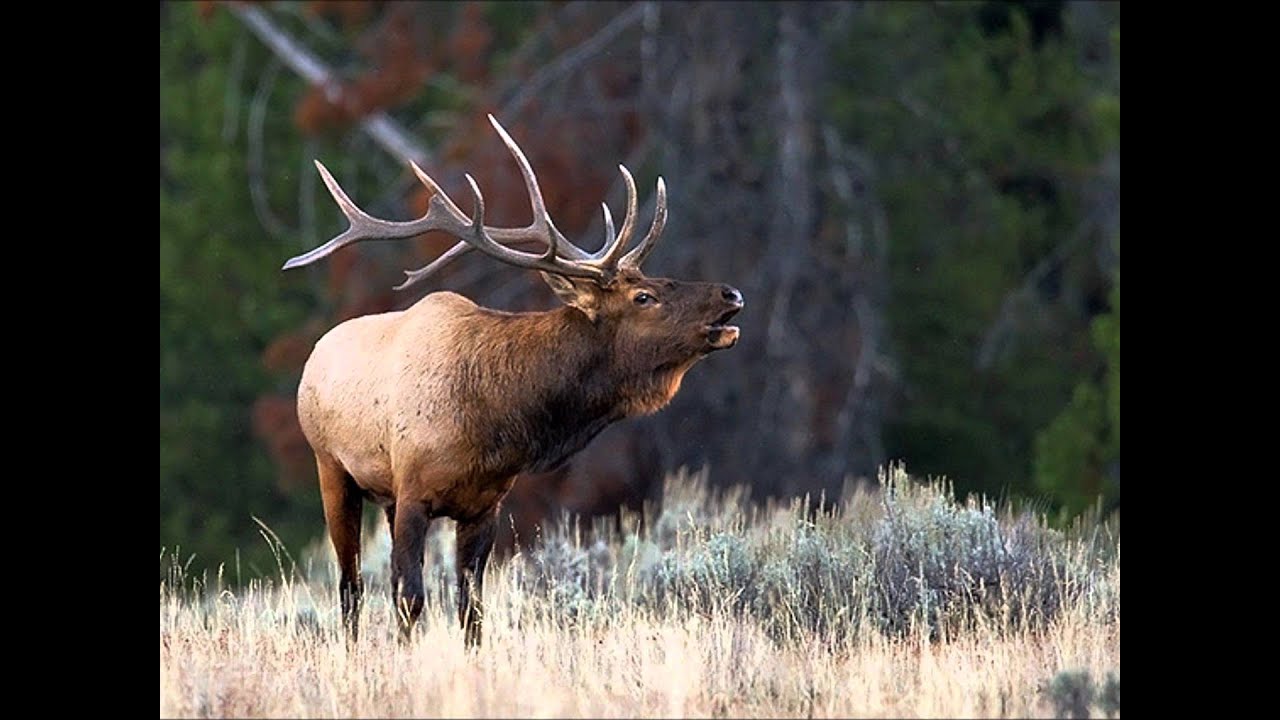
[(721, 335)]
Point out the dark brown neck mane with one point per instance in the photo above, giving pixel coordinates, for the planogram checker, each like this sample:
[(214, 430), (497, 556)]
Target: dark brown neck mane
[(546, 385)]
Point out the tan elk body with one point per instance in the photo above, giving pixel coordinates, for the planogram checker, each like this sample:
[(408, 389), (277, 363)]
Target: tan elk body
[(432, 411)]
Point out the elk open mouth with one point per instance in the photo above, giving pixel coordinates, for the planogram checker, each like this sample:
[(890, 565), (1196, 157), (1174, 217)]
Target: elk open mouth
[(721, 335)]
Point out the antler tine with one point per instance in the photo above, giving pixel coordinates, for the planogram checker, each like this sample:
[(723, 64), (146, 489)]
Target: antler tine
[(608, 256), (362, 225), (541, 218), (608, 228), (453, 253), (499, 234), (482, 241), (447, 257), (436, 190), (641, 251)]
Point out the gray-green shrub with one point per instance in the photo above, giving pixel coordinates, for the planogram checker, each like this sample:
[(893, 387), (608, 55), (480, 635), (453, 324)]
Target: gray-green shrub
[(903, 556)]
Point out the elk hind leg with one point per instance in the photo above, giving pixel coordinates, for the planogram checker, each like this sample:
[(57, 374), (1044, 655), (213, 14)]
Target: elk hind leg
[(342, 507)]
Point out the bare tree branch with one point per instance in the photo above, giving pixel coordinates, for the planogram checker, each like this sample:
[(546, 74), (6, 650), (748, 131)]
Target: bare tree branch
[(257, 183), (311, 20), (524, 53), (1001, 331), (571, 60), (384, 130)]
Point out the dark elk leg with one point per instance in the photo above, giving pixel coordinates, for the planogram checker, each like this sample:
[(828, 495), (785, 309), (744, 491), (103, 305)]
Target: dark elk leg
[(342, 506), (475, 541), (408, 541)]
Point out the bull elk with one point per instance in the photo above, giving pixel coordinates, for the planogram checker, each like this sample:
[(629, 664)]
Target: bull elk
[(432, 411)]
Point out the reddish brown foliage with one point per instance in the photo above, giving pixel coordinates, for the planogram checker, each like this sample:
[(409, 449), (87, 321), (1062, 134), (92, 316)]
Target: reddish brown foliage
[(315, 113), (205, 8), (351, 13), (289, 352), (275, 423), (469, 44), (398, 69), (340, 268), (359, 290), (369, 303)]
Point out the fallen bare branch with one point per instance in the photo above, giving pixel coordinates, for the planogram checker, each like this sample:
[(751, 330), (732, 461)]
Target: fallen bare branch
[(380, 126)]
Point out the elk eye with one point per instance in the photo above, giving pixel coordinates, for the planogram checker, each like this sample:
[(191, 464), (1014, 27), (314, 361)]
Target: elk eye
[(644, 298)]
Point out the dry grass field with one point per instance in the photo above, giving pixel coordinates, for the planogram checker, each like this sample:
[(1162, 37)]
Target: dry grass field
[(900, 602)]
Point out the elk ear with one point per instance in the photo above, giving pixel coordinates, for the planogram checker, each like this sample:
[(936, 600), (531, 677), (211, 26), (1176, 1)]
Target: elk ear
[(575, 292)]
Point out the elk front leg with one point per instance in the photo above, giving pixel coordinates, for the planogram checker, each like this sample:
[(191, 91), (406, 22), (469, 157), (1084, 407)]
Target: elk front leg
[(408, 541), (342, 507), (475, 542)]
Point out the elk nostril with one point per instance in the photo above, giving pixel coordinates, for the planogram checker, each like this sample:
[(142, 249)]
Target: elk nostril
[(731, 294)]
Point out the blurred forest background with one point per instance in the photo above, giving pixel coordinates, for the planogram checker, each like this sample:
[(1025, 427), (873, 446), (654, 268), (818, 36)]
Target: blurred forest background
[(919, 201)]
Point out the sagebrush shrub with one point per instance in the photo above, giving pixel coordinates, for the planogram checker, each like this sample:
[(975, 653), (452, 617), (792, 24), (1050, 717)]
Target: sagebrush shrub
[(905, 555)]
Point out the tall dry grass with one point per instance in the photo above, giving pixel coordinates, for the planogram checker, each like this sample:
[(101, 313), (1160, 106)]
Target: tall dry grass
[(900, 602)]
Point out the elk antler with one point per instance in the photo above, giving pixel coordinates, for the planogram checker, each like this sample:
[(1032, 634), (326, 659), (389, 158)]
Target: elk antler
[(561, 257)]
